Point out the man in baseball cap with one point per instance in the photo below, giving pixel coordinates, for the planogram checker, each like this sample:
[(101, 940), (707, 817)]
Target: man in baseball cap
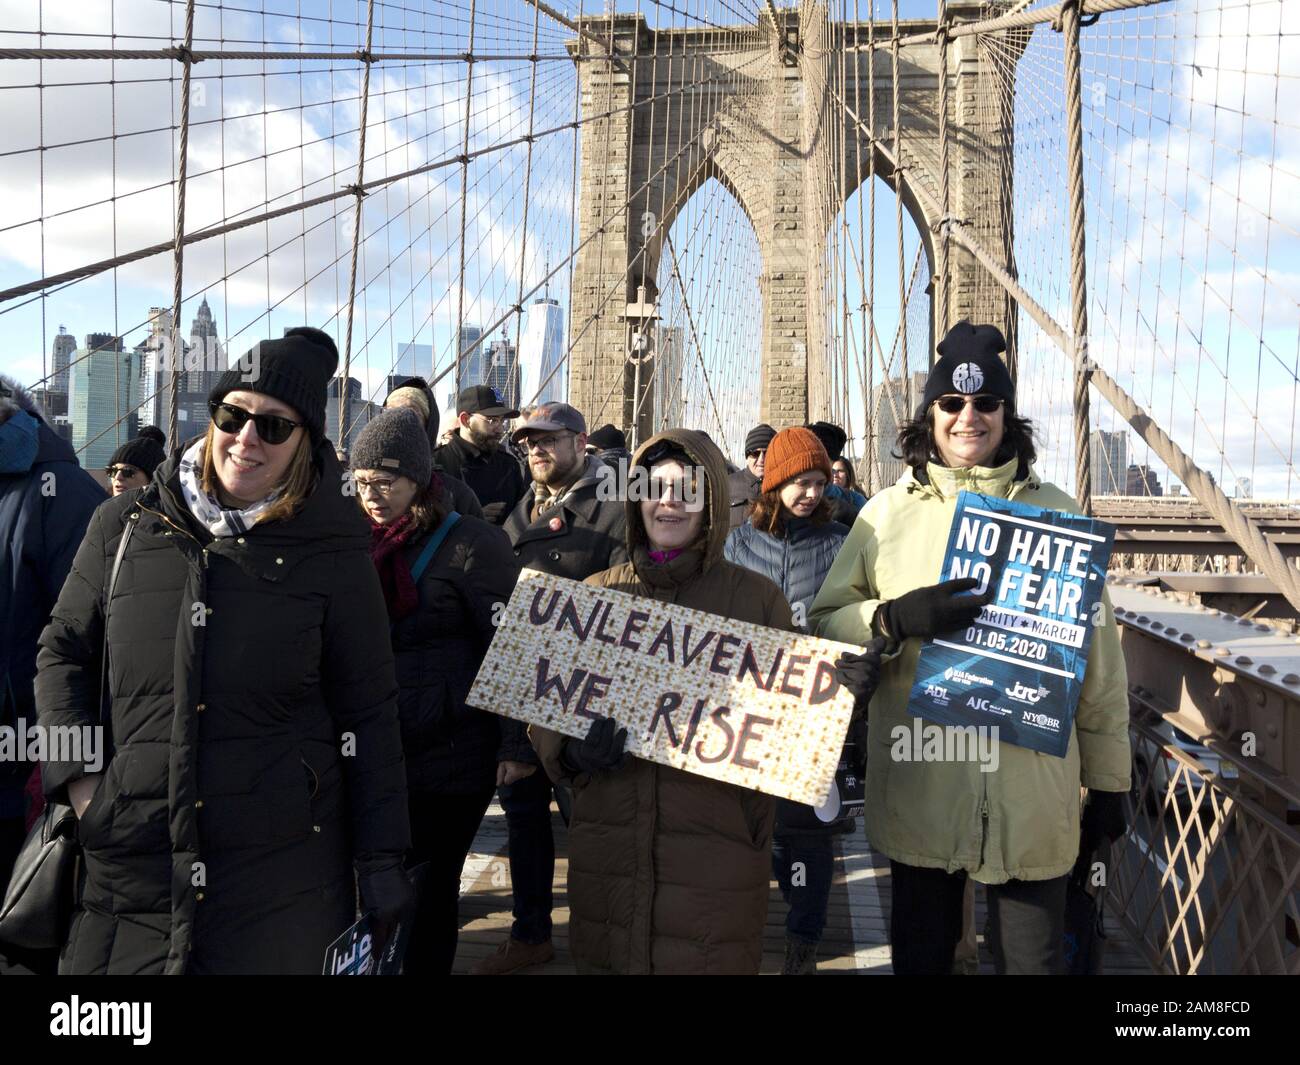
[(474, 453), (566, 526)]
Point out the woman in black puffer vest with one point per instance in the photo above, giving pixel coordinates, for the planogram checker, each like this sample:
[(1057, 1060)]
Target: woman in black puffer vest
[(445, 577), (790, 539)]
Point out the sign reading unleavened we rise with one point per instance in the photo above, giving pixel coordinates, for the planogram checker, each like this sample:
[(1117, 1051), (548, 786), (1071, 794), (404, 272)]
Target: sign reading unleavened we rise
[(730, 700)]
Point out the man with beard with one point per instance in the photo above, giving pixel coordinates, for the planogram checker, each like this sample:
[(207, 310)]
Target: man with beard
[(567, 525), (474, 453)]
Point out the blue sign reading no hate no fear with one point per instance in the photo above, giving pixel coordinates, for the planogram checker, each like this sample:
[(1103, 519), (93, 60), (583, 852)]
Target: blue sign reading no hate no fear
[(1020, 666)]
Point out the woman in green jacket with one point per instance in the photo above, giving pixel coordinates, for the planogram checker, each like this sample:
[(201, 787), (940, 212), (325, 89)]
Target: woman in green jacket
[(1016, 828)]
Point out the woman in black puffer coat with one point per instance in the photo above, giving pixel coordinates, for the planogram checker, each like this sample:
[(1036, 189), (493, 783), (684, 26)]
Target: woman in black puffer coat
[(257, 757), (445, 577), (790, 539)]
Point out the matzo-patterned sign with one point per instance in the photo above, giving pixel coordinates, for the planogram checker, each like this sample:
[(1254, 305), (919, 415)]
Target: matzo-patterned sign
[(726, 699)]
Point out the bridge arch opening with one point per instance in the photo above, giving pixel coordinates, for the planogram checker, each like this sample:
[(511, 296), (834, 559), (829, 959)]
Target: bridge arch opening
[(707, 341), (878, 277)]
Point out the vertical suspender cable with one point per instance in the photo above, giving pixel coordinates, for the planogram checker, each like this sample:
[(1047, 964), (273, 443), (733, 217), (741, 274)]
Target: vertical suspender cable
[(941, 289), (178, 249), (464, 197), (366, 60), (1078, 247)]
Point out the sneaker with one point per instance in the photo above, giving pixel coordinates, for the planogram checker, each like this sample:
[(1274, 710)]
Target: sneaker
[(512, 956), (800, 957)]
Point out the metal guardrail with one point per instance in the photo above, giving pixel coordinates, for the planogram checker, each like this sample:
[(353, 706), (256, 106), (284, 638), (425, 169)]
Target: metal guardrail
[(1207, 881)]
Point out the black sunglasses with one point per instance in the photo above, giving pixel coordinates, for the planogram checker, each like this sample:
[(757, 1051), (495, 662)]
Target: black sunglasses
[(120, 471), (955, 404), (270, 427)]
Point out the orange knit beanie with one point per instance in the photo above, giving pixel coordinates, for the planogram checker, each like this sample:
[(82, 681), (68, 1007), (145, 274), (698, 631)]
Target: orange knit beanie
[(793, 451)]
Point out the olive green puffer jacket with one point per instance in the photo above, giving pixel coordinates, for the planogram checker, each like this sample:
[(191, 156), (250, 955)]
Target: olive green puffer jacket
[(1021, 821)]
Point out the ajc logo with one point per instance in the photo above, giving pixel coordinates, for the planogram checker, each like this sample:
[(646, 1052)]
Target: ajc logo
[(968, 378)]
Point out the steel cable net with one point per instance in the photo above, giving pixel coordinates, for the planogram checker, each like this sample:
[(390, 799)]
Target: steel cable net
[(404, 176), (1192, 181)]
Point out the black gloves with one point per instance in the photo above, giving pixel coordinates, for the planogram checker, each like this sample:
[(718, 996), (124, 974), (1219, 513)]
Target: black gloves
[(387, 892), (927, 612), (861, 673), (601, 750), (1104, 818)]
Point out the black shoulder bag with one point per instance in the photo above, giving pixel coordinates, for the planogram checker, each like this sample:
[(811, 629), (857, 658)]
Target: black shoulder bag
[(39, 901)]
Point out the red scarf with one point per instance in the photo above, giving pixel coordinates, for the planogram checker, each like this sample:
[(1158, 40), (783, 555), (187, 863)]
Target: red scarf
[(662, 558), (386, 542)]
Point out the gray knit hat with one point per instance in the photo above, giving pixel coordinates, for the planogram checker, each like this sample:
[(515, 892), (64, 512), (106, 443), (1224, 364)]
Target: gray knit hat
[(395, 440)]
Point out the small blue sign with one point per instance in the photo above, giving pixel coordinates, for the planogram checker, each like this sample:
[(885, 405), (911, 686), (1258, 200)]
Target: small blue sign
[(1020, 666)]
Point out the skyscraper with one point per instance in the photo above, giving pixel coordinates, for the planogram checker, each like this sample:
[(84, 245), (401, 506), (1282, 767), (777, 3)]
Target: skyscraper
[(667, 383), (472, 369), (64, 345), (359, 412), (104, 398), (1108, 461), (541, 344), (502, 371), (197, 365)]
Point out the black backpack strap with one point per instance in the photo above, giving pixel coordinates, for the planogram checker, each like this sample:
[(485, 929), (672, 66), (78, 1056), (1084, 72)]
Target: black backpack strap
[(132, 518)]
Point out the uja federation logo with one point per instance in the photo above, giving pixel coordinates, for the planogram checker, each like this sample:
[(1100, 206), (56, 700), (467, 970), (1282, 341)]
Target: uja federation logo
[(971, 680)]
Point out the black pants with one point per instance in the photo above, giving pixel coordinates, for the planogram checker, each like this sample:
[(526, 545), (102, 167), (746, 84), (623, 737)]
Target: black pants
[(442, 832), (527, 806), (1026, 922)]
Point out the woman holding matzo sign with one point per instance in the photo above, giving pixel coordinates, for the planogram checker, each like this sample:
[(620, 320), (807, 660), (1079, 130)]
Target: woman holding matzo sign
[(668, 870), (1015, 829)]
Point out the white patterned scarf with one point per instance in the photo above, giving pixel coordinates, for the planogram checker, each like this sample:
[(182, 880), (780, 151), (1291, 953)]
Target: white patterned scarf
[(207, 511)]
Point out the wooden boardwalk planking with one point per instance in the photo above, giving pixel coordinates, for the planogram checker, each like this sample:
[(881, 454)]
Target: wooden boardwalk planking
[(855, 941)]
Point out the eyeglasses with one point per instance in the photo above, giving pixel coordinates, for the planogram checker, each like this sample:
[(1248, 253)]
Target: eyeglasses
[(756, 454), (548, 442), (679, 489), (125, 472), (985, 404), (380, 488), (270, 427)]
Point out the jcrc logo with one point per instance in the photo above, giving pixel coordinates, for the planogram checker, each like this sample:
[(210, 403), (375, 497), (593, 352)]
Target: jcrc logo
[(969, 679), (1041, 720), (1022, 694), (938, 693)]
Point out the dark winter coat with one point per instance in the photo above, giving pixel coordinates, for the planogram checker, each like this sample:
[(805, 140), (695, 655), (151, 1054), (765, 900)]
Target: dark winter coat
[(797, 563), (451, 748), (668, 871), (257, 750), (46, 501), (744, 489), (591, 536), (844, 504), (495, 477)]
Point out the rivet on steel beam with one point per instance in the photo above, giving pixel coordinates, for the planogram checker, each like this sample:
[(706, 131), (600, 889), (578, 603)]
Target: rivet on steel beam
[(1187, 637), (1267, 670), (1264, 628), (1291, 679), (1224, 651), (1143, 619), (1244, 621), (1244, 660), (1203, 644)]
